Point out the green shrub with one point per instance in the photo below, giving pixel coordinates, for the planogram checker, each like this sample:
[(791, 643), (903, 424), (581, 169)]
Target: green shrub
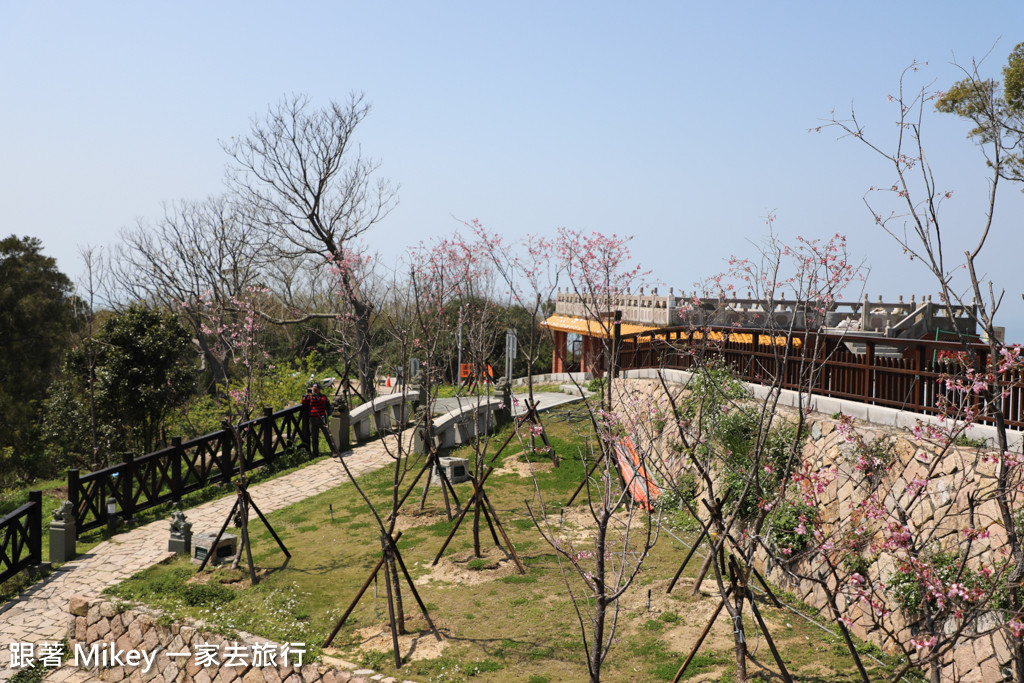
[(906, 585), (33, 674), (374, 659), (791, 524), (964, 440), (712, 386), (206, 594), (857, 564)]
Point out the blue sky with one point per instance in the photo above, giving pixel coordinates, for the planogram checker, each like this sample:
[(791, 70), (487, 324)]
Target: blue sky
[(681, 123)]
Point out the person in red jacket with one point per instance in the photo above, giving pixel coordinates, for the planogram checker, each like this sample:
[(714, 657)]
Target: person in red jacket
[(318, 405)]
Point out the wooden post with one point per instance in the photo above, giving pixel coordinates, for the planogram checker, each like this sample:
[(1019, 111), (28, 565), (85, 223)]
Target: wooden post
[(177, 485), (227, 444), (304, 428), (919, 378), (73, 487), (35, 527), (869, 366), (613, 371), (268, 433), (127, 477)]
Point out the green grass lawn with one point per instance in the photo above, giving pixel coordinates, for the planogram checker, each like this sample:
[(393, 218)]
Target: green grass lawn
[(497, 625)]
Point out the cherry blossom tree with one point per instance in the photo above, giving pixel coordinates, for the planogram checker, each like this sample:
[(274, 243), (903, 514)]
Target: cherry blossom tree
[(729, 458), (910, 208), (529, 273), (600, 568), (600, 270)]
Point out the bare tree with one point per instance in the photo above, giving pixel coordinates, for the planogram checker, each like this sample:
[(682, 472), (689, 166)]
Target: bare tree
[(198, 252), (91, 284), (309, 186)]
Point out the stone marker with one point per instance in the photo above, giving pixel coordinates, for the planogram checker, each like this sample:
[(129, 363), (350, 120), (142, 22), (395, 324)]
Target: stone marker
[(225, 549), (63, 533)]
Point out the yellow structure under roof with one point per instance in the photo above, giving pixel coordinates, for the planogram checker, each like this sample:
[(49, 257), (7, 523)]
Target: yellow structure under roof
[(592, 328)]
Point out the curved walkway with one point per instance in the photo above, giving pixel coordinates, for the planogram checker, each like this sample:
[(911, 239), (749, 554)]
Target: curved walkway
[(40, 614)]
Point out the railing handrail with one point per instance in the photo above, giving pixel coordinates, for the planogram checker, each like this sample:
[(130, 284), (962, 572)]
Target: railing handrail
[(850, 336), (21, 534), (166, 474), (850, 365)]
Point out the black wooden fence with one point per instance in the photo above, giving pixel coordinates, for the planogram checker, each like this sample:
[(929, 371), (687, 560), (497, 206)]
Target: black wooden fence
[(143, 482), (153, 479), (21, 537)]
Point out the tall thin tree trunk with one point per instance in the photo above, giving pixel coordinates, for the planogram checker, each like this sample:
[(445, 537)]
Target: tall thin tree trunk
[(739, 638), (399, 608), (601, 605), (363, 348)]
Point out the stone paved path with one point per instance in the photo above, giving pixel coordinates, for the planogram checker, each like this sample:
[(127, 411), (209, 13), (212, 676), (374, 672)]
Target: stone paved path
[(40, 613)]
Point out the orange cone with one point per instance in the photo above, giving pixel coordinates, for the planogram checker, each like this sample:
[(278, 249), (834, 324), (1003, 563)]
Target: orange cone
[(389, 381)]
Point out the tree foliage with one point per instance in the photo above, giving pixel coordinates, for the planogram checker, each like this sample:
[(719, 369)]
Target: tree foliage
[(145, 369), (36, 306), (997, 112)]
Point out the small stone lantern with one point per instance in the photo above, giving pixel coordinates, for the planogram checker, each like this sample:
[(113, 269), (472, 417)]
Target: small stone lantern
[(181, 534)]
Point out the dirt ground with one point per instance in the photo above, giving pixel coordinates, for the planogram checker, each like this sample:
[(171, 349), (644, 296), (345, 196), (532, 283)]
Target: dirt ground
[(414, 646), (519, 466), (455, 569)]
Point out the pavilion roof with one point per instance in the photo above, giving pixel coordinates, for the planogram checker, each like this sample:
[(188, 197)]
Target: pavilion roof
[(592, 328)]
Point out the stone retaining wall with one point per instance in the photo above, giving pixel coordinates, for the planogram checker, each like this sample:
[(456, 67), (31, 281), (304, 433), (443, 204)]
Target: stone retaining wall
[(940, 514), (98, 626)]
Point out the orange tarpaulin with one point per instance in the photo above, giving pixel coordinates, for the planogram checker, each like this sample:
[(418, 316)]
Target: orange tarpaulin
[(639, 484)]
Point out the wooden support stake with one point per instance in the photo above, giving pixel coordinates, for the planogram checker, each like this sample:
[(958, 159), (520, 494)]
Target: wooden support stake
[(369, 579), (703, 635)]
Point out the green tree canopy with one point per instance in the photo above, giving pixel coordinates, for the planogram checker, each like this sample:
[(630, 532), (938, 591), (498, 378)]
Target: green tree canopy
[(997, 112), (146, 368), (36, 306)]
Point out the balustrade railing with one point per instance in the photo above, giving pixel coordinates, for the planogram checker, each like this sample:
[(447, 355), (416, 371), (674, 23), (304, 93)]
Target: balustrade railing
[(906, 374), (21, 537), (140, 483)]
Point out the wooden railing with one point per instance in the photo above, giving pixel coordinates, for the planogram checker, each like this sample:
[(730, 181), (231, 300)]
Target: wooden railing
[(166, 475), (21, 537), (899, 373)]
